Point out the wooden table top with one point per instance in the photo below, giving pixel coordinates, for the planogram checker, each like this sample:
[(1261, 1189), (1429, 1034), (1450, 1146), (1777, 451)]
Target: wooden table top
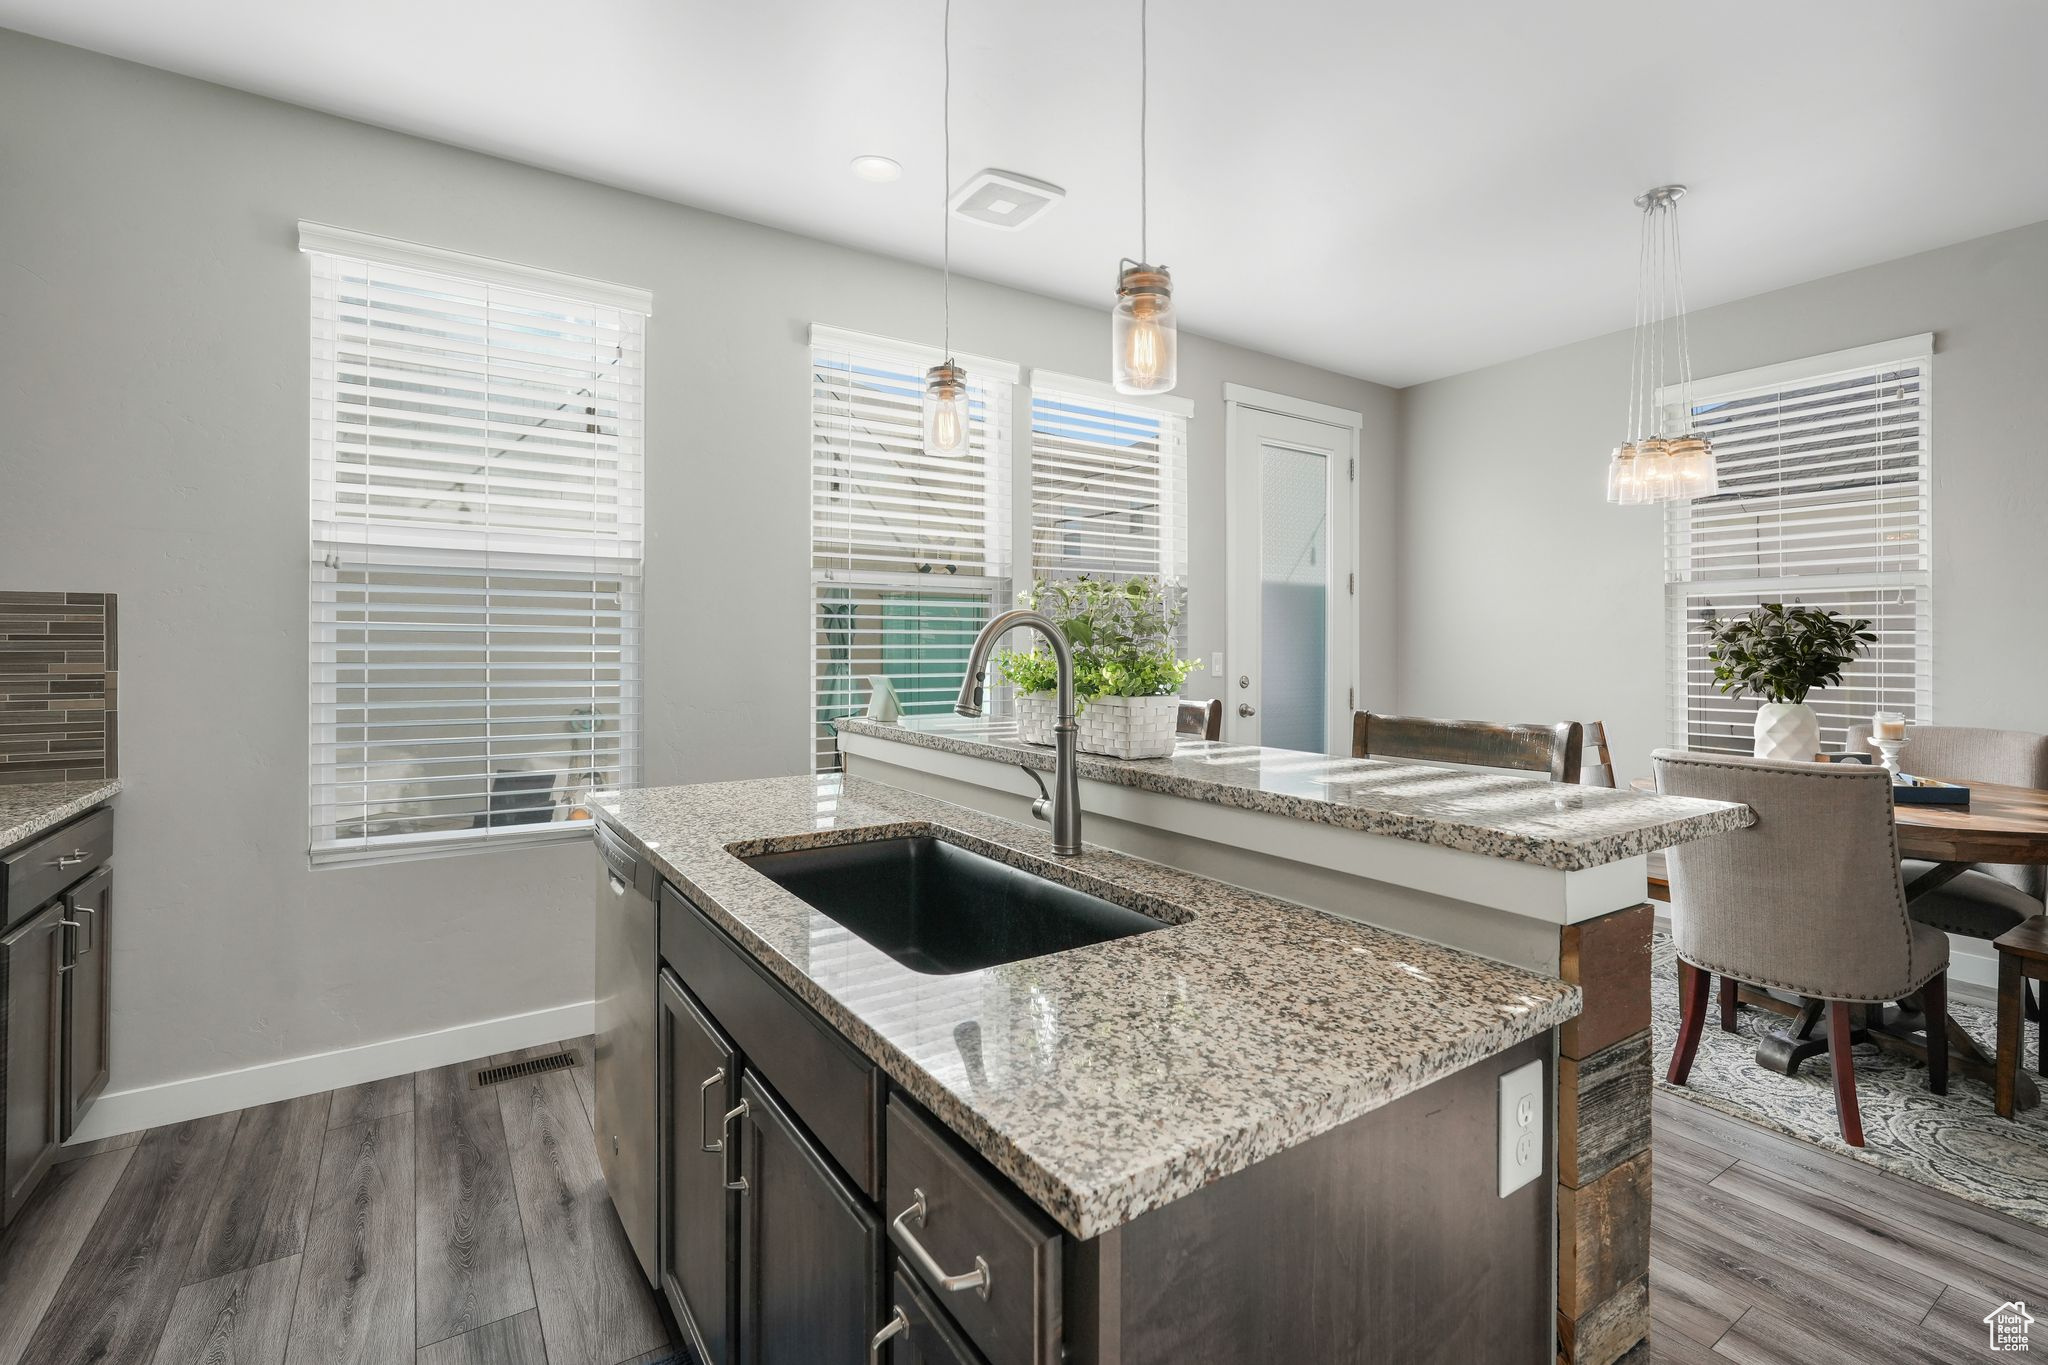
[(2000, 825)]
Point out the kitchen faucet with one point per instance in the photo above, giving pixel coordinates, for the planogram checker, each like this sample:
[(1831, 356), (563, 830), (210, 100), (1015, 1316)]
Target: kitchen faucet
[(1063, 809)]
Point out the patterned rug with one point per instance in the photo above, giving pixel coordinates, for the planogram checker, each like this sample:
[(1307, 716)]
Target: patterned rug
[(1953, 1142)]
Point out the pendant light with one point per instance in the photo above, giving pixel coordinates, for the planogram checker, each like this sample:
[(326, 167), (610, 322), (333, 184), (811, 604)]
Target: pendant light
[(1649, 466), (945, 384), (1144, 346)]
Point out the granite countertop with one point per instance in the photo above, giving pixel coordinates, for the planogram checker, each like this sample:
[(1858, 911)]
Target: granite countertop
[(1500, 815), (29, 809), (1112, 1079)]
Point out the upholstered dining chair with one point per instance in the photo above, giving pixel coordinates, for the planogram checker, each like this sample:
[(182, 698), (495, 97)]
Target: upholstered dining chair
[(1988, 901), (1201, 719), (1808, 899)]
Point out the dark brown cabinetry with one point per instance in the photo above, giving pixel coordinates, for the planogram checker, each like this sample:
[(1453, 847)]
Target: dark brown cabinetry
[(698, 1234), (55, 925), (799, 1227), (810, 1251)]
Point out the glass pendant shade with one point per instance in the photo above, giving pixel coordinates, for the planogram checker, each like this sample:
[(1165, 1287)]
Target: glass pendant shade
[(1144, 344), (1622, 488), (1653, 469), (945, 411), (1693, 472)]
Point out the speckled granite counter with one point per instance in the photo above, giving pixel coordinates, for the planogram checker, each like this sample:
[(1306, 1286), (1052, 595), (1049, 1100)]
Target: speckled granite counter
[(1499, 815), (29, 809), (1112, 1079)]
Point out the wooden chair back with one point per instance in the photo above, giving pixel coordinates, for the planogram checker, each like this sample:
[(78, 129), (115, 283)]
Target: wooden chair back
[(1551, 749), (1202, 719), (1597, 769)]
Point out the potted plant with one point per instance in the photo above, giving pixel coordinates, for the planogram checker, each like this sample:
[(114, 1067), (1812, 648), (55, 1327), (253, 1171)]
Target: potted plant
[(1778, 654), (1125, 663), (1035, 675)]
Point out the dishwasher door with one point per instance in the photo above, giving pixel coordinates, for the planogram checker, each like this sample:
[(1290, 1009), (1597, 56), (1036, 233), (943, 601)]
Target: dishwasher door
[(628, 969)]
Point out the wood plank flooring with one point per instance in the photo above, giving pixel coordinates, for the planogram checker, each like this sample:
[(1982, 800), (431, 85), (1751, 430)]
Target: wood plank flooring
[(411, 1221), (439, 1224)]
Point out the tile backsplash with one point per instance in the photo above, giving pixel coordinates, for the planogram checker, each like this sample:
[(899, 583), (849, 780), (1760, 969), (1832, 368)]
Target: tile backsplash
[(58, 698)]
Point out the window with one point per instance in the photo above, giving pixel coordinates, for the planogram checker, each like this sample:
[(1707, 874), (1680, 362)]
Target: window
[(476, 533), (910, 555), (1824, 502), (1109, 482)]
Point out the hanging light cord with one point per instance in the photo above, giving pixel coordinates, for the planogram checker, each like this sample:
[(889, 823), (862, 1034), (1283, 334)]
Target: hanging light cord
[(946, 178), (1144, 125)]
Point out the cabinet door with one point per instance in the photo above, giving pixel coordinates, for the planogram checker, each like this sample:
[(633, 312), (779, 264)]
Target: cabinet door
[(919, 1332), (810, 1253), (701, 1081), (31, 997), (85, 1029)]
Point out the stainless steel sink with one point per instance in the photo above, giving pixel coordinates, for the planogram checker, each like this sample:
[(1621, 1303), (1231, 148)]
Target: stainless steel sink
[(940, 909)]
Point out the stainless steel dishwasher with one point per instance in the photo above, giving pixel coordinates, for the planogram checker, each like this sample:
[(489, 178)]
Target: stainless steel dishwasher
[(628, 965)]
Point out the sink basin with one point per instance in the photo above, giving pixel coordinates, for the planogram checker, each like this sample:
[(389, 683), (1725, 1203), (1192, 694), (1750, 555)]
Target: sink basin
[(940, 909)]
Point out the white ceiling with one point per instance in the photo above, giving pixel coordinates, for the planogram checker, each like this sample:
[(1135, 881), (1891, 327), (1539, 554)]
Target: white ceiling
[(1392, 191)]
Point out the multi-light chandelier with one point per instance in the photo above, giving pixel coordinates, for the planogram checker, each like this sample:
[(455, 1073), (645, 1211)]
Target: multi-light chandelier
[(1661, 458)]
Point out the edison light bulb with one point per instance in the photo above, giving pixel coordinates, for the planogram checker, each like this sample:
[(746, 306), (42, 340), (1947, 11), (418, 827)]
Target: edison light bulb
[(1143, 342), (945, 410)]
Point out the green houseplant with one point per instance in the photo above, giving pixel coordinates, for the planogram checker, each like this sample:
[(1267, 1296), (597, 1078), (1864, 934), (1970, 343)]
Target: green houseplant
[(1779, 654), (1126, 671)]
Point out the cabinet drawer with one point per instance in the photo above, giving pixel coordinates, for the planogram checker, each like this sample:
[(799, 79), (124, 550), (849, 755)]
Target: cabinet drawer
[(38, 871), (832, 1088), (972, 1221)]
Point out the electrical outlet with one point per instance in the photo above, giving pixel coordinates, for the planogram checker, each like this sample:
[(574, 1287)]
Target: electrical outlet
[(1521, 1127)]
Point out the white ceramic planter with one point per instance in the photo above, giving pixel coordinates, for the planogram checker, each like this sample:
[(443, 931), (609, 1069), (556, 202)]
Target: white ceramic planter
[(1130, 727), (1787, 731), (1036, 712)]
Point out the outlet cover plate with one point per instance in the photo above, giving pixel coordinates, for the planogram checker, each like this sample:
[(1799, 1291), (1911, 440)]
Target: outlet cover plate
[(1521, 1127)]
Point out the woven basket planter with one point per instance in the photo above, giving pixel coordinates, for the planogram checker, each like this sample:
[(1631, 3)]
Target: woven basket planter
[(1130, 727), (1036, 712)]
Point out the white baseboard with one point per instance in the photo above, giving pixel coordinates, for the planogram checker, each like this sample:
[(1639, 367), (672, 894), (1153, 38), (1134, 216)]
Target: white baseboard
[(148, 1106)]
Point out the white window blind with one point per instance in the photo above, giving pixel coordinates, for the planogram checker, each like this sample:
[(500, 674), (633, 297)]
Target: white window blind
[(1824, 502), (1109, 483), (476, 546), (910, 554)]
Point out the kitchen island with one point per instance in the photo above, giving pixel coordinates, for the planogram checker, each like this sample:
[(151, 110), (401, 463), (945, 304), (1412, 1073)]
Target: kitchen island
[(1254, 1131), (1547, 877)]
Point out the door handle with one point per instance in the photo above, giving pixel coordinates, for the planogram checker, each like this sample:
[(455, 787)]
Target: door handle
[(92, 924), (716, 1144), (896, 1324), (1247, 710), (70, 944), (618, 887), (726, 1143), (976, 1279)]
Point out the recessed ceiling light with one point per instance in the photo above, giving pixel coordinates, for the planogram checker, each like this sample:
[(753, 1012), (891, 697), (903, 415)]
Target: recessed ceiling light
[(880, 169)]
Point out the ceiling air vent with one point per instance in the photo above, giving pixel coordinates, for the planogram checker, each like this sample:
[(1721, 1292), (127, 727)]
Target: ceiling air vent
[(1005, 199), (532, 1066)]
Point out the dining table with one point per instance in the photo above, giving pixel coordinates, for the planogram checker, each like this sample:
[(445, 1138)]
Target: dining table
[(1999, 824)]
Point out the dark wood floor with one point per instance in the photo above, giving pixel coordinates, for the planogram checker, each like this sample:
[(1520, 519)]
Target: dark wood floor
[(423, 1220), (412, 1221)]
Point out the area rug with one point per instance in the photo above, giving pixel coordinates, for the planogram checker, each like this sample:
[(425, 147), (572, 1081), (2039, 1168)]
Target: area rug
[(1953, 1142)]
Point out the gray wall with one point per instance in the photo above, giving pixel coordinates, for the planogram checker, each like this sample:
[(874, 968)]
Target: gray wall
[(1523, 595), (153, 380)]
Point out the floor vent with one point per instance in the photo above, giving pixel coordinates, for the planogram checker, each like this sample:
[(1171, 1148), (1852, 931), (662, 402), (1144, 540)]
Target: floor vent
[(532, 1066)]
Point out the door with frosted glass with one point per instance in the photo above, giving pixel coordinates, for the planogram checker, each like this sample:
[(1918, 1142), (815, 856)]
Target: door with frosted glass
[(1290, 669)]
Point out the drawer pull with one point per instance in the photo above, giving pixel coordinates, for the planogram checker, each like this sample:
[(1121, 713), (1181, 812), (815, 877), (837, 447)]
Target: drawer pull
[(896, 1324), (716, 1144), (71, 859), (726, 1143), (976, 1279)]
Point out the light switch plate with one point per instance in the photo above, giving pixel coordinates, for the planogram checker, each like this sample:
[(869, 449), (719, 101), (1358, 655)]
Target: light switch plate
[(1521, 1127), (1216, 664)]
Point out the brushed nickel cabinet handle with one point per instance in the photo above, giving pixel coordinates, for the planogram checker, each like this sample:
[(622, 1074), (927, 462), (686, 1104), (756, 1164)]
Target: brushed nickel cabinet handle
[(73, 858), (93, 924), (726, 1143), (716, 1144), (70, 942), (976, 1279), (896, 1324)]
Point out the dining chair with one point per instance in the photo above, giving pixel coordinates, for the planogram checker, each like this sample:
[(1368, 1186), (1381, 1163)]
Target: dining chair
[(1808, 899), (1994, 897), (1596, 768), (1201, 719), (1552, 749)]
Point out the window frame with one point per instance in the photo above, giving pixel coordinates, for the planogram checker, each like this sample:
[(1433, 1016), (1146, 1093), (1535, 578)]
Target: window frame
[(475, 550), (1869, 363)]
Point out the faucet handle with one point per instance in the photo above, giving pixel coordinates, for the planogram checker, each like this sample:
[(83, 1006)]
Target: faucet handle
[(1042, 807)]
